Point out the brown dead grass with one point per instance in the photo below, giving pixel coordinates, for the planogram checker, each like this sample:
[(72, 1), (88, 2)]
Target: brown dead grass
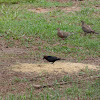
[(57, 67)]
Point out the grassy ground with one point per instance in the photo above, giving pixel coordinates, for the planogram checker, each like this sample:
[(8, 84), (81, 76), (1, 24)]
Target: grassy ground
[(84, 85), (36, 32), (18, 24)]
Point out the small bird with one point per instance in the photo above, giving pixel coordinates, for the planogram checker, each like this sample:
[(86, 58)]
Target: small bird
[(87, 28), (62, 34), (52, 58)]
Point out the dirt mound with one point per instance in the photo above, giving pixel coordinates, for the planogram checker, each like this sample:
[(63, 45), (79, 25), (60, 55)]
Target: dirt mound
[(56, 67)]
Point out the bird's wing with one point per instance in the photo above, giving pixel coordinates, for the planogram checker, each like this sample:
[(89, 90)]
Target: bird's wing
[(60, 34), (65, 34), (87, 27)]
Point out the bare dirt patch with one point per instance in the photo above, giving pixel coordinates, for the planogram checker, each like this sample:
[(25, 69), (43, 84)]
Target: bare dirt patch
[(66, 0), (13, 50), (97, 7), (39, 10), (71, 9), (65, 9), (58, 67), (12, 82), (30, 70)]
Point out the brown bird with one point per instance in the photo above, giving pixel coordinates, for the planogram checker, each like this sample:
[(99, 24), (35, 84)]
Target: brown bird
[(63, 34), (87, 28)]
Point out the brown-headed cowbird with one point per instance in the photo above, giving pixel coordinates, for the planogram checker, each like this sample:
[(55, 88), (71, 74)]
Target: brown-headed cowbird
[(63, 34), (87, 28), (52, 58)]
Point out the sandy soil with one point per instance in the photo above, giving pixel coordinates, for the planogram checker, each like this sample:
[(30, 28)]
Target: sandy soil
[(57, 67)]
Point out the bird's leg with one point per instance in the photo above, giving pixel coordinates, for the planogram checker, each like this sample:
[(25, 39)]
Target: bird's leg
[(52, 62), (85, 34), (63, 39), (90, 33)]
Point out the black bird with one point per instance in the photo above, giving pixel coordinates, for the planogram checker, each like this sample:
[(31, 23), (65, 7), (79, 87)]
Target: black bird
[(52, 58)]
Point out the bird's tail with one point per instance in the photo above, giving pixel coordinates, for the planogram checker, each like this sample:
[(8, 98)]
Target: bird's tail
[(70, 34), (62, 59), (95, 32)]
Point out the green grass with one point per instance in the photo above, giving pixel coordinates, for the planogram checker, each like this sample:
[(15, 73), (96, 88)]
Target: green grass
[(39, 29), (17, 23)]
